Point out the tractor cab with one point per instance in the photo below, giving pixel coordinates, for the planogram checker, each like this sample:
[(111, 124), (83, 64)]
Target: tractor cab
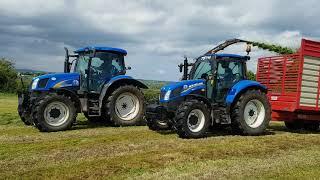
[(96, 66), (220, 72)]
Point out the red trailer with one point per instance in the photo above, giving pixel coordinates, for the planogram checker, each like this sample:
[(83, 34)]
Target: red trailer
[(293, 83)]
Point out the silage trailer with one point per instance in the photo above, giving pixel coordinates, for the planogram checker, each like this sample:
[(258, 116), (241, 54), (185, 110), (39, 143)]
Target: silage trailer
[(293, 83)]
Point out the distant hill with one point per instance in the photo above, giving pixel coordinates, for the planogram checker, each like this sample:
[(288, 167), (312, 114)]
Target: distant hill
[(30, 71), (154, 84)]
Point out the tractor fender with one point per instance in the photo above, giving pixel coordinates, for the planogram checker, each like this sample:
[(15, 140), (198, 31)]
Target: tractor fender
[(116, 82), (69, 93), (199, 97), (239, 88)]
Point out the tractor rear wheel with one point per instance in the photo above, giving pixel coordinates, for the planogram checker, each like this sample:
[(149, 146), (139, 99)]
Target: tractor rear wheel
[(192, 119), (294, 125), (54, 113), (251, 114), (126, 106), (311, 125)]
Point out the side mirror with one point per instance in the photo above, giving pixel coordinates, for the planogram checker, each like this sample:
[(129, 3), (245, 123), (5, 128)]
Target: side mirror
[(180, 67), (248, 49), (93, 53)]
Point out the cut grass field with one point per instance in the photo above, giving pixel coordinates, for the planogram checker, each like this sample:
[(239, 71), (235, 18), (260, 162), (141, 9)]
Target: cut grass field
[(95, 151)]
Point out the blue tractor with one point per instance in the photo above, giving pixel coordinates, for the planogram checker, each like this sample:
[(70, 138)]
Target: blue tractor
[(215, 93), (93, 83)]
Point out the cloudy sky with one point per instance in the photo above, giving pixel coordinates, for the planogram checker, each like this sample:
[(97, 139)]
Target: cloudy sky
[(156, 33)]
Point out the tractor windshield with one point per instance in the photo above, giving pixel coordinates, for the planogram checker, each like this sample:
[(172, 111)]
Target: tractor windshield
[(103, 67)]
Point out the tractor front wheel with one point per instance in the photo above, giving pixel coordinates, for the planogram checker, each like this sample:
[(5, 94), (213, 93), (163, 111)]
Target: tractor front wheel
[(158, 125), (24, 116), (192, 119), (251, 114), (126, 106), (54, 113)]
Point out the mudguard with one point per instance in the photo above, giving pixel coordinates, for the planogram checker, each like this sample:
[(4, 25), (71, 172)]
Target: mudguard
[(240, 87), (122, 79)]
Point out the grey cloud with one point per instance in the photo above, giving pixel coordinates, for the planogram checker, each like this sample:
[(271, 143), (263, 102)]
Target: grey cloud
[(157, 34)]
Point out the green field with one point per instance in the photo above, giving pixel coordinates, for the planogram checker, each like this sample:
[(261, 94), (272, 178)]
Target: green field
[(95, 151)]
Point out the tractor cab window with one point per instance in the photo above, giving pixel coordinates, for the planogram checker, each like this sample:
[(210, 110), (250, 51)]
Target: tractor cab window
[(81, 67), (228, 73), (104, 66), (203, 69)]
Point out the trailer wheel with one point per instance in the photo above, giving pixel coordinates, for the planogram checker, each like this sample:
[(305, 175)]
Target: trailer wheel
[(54, 113), (251, 114), (192, 119), (311, 125), (293, 125), (126, 106)]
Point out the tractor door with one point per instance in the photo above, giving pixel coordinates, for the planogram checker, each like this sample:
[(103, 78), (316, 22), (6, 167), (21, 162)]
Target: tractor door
[(104, 66), (228, 73), (81, 67), (203, 70)]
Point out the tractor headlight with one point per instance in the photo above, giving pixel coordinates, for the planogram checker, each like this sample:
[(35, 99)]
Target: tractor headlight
[(167, 95), (34, 83)]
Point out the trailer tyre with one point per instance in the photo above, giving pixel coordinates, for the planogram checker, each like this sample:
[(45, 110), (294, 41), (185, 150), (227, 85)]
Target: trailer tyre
[(126, 106), (251, 114), (54, 113), (311, 126), (294, 125), (192, 119)]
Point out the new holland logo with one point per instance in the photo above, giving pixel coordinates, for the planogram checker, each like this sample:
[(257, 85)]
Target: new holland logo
[(191, 86)]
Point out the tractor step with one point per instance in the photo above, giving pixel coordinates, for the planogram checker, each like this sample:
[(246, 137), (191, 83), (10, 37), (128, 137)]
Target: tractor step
[(220, 116), (93, 108)]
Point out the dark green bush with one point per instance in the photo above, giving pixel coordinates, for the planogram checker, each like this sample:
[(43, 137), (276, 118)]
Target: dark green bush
[(8, 76)]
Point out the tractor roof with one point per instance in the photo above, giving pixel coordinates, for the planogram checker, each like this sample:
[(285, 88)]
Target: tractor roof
[(100, 48), (228, 55)]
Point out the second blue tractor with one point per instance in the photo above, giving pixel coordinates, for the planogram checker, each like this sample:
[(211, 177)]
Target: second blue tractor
[(215, 92)]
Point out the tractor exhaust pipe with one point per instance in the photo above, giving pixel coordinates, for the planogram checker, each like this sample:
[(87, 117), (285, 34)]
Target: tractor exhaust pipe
[(66, 61), (184, 68)]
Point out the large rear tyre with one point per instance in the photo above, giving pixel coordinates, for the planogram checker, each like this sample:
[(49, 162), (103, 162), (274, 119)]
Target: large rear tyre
[(24, 116), (192, 119), (293, 125), (54, 113), (251, 114), (126, 106)]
